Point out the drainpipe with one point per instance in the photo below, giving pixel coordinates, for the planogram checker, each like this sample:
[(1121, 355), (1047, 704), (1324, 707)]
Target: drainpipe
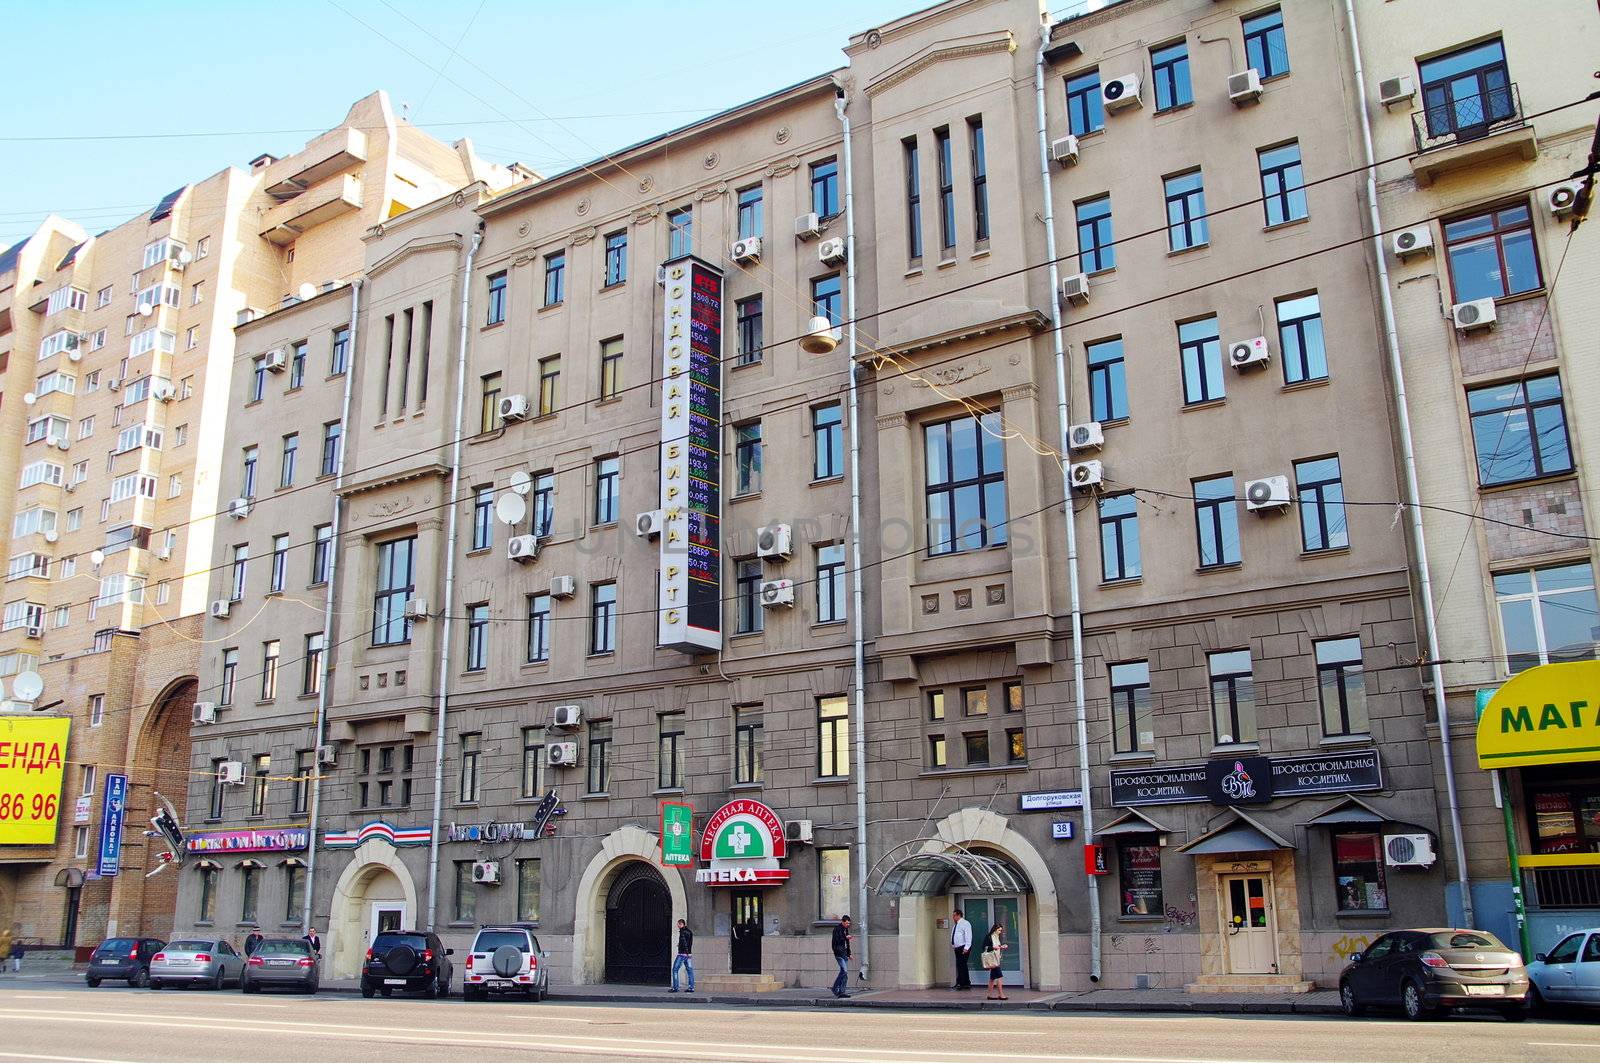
[(1085, 781), (1409, 457), (859, 724), (328, 607), (449, 583)]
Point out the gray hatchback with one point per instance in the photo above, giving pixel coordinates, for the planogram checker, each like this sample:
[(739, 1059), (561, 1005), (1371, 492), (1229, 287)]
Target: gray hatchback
[(1425, 970), (286, 963)]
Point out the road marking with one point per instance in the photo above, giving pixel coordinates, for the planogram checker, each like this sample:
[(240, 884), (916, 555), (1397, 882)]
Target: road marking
[(1563, 1044), (61, 1059)]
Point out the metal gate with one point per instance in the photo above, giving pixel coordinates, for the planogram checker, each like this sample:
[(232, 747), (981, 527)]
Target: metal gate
[(638, 927)]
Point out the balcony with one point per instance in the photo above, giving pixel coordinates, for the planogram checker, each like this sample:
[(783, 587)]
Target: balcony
[(332, 153), (285, 223), (1461, 133)]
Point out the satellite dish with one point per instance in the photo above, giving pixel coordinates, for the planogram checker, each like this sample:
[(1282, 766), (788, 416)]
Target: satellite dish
[(521, 482), (510, 507), (27, 686), (308, 291), (146, 309), (29, 399), (97, 557)]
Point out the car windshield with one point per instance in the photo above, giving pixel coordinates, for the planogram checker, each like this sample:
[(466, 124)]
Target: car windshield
[(189, 946), (490, 940), (389, 941), (1464, 939), (283, 948), (117, 945)]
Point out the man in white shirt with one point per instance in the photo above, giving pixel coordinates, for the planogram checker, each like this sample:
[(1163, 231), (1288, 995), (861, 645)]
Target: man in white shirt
[(961, 943)]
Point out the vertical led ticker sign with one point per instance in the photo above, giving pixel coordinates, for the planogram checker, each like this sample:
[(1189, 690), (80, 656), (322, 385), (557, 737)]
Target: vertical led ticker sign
[(690, 598)]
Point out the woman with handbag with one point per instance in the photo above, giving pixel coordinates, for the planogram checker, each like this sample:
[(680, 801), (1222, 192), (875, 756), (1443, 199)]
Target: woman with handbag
[(994, 944)]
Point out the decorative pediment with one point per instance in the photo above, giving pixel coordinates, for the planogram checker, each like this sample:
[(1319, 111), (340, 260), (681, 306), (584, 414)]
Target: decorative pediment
[(956, 48)]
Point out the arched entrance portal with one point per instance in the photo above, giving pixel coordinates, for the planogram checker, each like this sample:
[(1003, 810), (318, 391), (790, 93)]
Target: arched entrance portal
[(160, 764), (638, 927), (374, 893), (623, 849)]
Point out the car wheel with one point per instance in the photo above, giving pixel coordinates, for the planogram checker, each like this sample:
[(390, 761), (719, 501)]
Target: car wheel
[(153, 984), (367, 990), (386, 991), (1347, 1001), (140, 978), (429, 991), (247, 986), (1415, 1004), (1517, 1013), (471, 994), (92, 983), (1536, 1001), (313, 985), (443, 990)]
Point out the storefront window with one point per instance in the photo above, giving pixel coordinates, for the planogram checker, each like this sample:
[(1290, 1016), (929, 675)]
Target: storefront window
[(1140, 866), (1358, 873), (833, 883), (1566, 819)]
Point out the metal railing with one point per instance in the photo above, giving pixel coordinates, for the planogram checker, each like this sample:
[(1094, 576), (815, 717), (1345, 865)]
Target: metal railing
[(1466, 118), (1562, 887)]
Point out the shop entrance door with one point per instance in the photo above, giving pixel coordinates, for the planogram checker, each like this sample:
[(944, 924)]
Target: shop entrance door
[(1249, 926), (749, 923), (984, 912), (386, 916)]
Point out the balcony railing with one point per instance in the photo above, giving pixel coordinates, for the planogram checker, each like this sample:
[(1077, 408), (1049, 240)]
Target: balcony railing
[(1562, 887), (1467, 118)]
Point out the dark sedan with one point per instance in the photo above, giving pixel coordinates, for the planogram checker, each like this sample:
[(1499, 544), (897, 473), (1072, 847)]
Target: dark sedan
[(1422, 971), (287, 963), (126, 959)]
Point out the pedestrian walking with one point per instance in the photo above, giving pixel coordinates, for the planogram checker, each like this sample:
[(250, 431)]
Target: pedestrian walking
[(16, 954), (841, 953), (961, 945), (5, 946), (314, 941), (253, 940), (994, 946), (685, 958)]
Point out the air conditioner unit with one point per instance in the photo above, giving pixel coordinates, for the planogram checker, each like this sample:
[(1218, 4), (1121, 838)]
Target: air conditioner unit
[(1075, 289), (1562, 198), (774, 542), (1249, 354), (1086, 436), (523, 548), (220, 609), (204, 712), (1065, 150), (231, 773), (239, 508), (647, 525), (797, 830), (327, 755), (163, 553), (563, 586), (35, 631), (486, 872), (1269, 492), (1244, 87), (746, 250), (1121, 93), (163, 391), (114, 384), (561, 754), (1396, 90), (776, 592), (515, 408), (566, 717), (1476, 314), (1086, 474), (831, 252), (276, 361), (1414, 241), (416, 609), (1408, 850), (808, 226)]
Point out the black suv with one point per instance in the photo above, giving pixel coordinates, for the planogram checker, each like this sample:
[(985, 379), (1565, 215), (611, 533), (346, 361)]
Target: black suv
[(407, 960), (127, 958)]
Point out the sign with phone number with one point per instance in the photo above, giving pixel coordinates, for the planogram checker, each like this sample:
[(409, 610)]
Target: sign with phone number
[(33, 753)]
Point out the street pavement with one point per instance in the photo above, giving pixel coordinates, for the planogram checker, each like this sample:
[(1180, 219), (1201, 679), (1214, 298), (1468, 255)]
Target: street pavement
[(52, 1020)]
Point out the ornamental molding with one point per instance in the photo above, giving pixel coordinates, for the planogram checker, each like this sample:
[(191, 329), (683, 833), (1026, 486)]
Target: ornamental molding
[(948, 375), (960, 48)]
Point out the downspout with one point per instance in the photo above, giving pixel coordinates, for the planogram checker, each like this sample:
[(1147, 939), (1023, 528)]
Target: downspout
[(1409, 457), (328, 606), (1085, 780), (859, 724), (449, 584)]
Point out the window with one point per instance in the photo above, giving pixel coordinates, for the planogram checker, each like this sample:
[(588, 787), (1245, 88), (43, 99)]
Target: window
[(230, 672), (260, 780), (466, 898), (1321, 497), (1016, 745), (555, 277), (825, 188), (300, 794), (248, 480), (97, 709), (680, 232), (1169, 69), (489, 404), (750, 212), (294, 892), (240, 567), (1013, 697), (291, 450), (610, 371), (938, 752), (966, 492), (87, 789), (86, 427), (311, 664), (747, 745), (207, 911), (482, 517), (1305, 356), (607, 488), (747, 325), (258, 379), (478, 637), (297, 365), (533, 763), (1547, 614), (833, 882), (616, 258), (1233, 706), (947, 189), (280, 564), (544, 502), (747, 458), (830, 583), (748, 577), (497, 298), (1186, 211), (384, 784), (1119, 537), (219, 789), (471, 751), (1085, 107), (42, 472), (975, 747), (1216, 519), (550, 383), (1200, 352), (102, 298), (935, 704), (1133, 718), (1108, 380), (1139, 875), (1265, 49), (980, 181), (1358, 872), (249, 893), (339, 354), (828, 438), (1282, 183), (202, 247), (53, 382), (180, 435), (528, 890), (1096, 246), (1519, 430), (1340, 687), (669, 751), (332, 439), (975, 701), (322, 555), (603, 630), (395, 585), (833, 737), (1467, 91), (269, 669), (826, 300), (913, 198), (538, 628), (599, 756)]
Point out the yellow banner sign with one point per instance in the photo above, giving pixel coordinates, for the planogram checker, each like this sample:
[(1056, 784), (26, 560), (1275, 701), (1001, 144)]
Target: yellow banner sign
[(32, 754), (1546, 715)]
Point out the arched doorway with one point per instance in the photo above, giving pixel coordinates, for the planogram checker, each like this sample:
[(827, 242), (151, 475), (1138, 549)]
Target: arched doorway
[(374, 893), (638, 926), (621, 848), (160, 764)]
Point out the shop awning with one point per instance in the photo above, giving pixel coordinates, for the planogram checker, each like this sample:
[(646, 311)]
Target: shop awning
[(1135, 822), (1352, 810), (250, 865), (291, 861), (70, 877), (1544, 715), (928, 874), (207, 865), (1242, 834)]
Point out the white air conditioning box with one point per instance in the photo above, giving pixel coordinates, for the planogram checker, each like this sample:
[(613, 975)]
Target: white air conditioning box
[(566, 717), (276, 361), (563, 586), (1267, 493), (647, 525), (777, 592), (808, 226), (1396, 90), (831, 252), (231, 773), (561, 754), (1121, 93), (1252, 353), (1086, 436), (239, 508), (1408, 850), (1065, 150), (416, 609), (1086, 475), (163, 391), (746, 250), (1075, 289), (486, 872), (1476, 314), (220, 609), (204, 712), (523, 548), (327, 755), (515, 408), (1244, 87), (797, 830), (774, 542), (1417, 240), (1562, 198)]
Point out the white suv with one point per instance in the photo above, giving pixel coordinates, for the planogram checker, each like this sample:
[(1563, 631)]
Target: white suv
[(505, 959)]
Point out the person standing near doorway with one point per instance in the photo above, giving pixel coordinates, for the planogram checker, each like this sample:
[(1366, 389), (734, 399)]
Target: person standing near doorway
[(313, 939), (253, 940), (685, 957), (994, 947), (841, 955), (961, 945)]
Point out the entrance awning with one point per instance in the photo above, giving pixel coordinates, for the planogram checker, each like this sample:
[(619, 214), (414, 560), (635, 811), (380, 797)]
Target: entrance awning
[(1135, 822), (929, 874), (1241, 835), (70, 877), (1351, 810)]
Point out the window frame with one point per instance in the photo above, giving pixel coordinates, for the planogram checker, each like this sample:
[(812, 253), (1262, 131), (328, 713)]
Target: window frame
[(603, 623), (748, 328), (1321, 500), (390, 595), (670, 750), (1095, 255), (944, 160), (747, 458), (616, 259), (1170, 75), (1239, 688), (607, 490), (1334, 677), (1191, 202), (1524, 410), (1284, 199), (1127, 709), (476, 658), (1200, 361), (990, 532), (824, 185), (833, 737), (611, 352), (1258, 33), (1537, 598), (748, 731), (1085, 103), (1118, 526), (539, 620), (749, 205), (830, 584), (980, 180), (1224, 516), (496, 299), (555, 278), (1303, 327), (749, 616), (912, 158)]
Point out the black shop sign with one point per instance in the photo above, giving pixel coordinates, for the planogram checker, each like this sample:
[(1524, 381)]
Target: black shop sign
[(1248, 780)]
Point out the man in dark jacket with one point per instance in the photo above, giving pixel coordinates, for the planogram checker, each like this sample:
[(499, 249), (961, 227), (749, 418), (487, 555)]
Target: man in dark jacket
[(314, 939), (253, 941), (841, 953), (685, 957)]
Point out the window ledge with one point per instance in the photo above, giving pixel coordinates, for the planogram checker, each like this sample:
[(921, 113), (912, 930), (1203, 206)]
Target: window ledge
[(1303, 385), (985, 769), (744, 786), (1538, 481), (830, 623), (1206, 404), (1291, 223), (1362, 913), (492, 326), (306, 697), (1103, 272), (738, 365), (839, 478), (1177, 108), (552, 306), (914, 271), (535, 666), (613, 287), (602, 655), (946, 263), (1141, 919), (745, 497), (667, 791), (1189, 250), (1333, 551), (1229, 567), (830, 780), (1132, 758), (479, 551), (980, 252), (1362, 739), (1130, 581), (595, 797), (1235, 747)]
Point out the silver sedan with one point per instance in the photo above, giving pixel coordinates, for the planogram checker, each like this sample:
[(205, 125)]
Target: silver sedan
[(208, 962)]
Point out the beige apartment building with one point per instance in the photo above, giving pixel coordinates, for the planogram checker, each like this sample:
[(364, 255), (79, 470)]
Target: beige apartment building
[(119, 351)]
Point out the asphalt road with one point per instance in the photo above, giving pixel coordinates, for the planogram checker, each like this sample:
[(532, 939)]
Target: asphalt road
[(63, 1024)]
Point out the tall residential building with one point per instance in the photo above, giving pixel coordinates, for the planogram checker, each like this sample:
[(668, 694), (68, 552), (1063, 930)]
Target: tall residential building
[(118, 351)]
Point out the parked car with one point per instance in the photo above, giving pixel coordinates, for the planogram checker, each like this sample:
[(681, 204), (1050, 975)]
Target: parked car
[(281, 962), (127, 958), (1422, 971), (1568, 974), (505, 959), (407, 960), (196, 961)]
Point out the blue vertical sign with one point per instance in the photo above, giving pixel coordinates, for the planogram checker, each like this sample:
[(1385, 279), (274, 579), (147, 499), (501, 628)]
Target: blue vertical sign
[(112, 811)]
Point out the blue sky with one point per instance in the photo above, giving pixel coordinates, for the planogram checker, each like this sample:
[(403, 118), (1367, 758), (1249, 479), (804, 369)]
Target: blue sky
[(613, 72)]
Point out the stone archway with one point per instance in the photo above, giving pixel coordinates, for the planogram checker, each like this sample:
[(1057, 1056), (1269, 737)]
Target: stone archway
[(621, 847), (160, 763), (374, 874)]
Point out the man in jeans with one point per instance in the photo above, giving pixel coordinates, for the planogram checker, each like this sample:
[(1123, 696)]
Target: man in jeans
[(841, 953), (961, 944), (685, 958)]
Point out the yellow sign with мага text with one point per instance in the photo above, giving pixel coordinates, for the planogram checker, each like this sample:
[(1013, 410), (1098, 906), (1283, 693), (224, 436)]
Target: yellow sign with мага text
[(1546, 715), (32, 754)]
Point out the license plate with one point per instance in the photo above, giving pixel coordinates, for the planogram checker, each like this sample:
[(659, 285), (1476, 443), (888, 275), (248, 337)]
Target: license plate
[(394, 981), (107, 963), (179, 963), (501, 983), (280, 963), (1485, 990)]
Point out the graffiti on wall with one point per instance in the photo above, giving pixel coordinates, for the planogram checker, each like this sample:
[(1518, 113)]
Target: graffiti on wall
[(1348, 946)]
